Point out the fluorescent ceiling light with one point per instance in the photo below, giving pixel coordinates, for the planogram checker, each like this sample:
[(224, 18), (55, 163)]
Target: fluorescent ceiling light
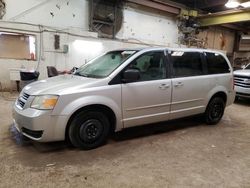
[(232, 4), (246, 4)]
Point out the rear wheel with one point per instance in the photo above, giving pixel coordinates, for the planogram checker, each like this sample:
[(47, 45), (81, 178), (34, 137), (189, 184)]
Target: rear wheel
[(215, 110), (89, 129)]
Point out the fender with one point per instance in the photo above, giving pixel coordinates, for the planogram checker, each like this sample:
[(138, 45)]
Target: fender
[(215, 90), (84, 101)]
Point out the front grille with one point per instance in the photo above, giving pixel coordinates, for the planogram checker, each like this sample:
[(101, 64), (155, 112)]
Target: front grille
[(25, 96), (34, 134), (20, 103), (22, 100), (242, 81)]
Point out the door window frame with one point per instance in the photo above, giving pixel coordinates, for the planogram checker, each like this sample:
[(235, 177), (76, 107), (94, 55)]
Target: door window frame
[(118, 78)]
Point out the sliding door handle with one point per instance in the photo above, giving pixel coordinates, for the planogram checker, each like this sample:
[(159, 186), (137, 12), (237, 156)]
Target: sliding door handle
[(178, 84), (164, 86)]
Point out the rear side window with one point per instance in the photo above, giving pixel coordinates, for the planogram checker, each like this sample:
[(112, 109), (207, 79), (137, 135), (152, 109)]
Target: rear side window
[(216, 64), (186, 64)]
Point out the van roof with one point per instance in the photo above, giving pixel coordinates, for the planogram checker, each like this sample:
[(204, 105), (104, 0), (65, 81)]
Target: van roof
[(174, 49)]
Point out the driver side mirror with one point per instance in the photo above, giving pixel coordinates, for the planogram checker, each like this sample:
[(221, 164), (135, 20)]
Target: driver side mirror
[(130, 75)]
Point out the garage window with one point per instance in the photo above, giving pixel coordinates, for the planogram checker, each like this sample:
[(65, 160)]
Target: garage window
[(17, 46)]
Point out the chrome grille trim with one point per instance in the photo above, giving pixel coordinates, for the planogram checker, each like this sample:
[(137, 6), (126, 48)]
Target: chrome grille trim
[(242, 81), (21, 101)]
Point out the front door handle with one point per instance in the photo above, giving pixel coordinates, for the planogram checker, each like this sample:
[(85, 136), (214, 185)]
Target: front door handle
[(164, 86), (178, 84)]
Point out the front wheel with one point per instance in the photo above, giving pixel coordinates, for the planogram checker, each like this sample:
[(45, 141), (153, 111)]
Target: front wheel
[(89, 129), (215, 110)]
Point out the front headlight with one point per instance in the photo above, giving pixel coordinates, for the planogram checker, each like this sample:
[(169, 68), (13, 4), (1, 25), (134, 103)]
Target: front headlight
[(44, 102)]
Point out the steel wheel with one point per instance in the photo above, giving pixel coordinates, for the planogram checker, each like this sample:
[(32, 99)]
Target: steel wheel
[(215, 110), (89, 129)]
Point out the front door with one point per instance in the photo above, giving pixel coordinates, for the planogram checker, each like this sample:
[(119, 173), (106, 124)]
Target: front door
[(148, 99)]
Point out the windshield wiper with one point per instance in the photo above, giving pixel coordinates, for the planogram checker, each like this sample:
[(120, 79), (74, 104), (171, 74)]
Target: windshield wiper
[(78, 74), (94, 76)]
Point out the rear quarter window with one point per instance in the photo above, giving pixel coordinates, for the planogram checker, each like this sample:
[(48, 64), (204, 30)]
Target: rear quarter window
[(216, 64)]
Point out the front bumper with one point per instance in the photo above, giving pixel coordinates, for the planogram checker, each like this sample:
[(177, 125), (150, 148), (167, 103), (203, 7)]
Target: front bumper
[(242, 92), (39, 125)]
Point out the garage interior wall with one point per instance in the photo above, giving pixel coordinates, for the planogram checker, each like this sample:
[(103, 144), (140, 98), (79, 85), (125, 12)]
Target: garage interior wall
[(69, 19)]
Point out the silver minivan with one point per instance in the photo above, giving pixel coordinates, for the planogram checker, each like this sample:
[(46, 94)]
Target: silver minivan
[(125, 88)]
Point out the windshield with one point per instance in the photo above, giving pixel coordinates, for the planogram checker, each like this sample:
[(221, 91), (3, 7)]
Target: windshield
[(248, 66), (104, 65)]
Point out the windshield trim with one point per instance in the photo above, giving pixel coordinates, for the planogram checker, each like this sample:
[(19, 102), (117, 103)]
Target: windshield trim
[(247, 66)]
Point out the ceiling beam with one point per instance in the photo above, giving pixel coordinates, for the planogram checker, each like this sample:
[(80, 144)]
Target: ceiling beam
[(225, 17), (157, 5)]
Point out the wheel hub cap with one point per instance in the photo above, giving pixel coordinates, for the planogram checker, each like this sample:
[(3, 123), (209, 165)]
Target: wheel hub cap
[(90, 130), (217, 110)]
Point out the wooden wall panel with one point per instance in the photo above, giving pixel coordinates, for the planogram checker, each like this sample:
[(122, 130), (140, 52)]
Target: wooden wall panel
[(218, 38)]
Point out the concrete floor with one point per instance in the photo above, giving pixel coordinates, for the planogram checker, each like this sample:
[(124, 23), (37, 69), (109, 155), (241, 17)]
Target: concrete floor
[(183, 153)]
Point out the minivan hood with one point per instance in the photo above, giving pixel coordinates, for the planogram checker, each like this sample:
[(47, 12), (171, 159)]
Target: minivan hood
[(244, 72), (60, 84)]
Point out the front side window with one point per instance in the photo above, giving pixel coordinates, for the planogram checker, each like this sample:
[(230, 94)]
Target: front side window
[(186, 64), (104, 65), (216, 64), (151, 66)]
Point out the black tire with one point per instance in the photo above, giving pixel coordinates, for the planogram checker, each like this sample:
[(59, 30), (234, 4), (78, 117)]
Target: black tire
[(89, 129), (215, 110)]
